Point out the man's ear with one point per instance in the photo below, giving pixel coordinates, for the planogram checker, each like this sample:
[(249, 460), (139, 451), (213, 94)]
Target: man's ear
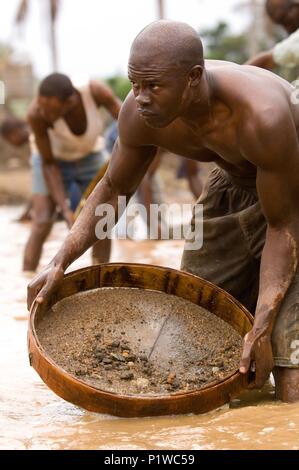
[(195, 75)]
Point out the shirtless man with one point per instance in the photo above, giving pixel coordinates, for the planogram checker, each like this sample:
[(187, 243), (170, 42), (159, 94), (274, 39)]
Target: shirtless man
[(67, 154), (242, 118)]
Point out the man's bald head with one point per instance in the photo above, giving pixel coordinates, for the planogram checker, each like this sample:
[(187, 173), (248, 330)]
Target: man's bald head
[(171, 43), (166, 69)]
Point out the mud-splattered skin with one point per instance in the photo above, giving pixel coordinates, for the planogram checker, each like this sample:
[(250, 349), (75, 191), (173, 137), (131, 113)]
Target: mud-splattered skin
[(238, 116)]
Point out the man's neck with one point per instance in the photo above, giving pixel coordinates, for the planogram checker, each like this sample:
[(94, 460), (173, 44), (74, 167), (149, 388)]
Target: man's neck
[(199, 111)]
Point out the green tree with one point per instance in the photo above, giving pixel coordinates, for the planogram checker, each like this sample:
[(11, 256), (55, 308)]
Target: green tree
[(221, 44), (120, 85)]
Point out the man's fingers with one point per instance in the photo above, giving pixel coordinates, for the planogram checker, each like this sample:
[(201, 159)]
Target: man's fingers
[(245, 362), (244, 365), (38, 293), (261, 375), (32, 293), (38, 298), (32, 290), (44, 292), (246, 357), (43, 285)]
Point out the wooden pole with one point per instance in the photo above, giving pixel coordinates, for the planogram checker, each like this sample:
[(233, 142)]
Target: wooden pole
[(161, 9), (53, 41)]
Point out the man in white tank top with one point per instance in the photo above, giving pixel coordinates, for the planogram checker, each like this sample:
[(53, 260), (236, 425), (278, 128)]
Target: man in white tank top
[(285, 53), (66, 154)]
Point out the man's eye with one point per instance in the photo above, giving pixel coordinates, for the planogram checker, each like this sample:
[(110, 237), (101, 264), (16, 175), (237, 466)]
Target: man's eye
[(153, 86)]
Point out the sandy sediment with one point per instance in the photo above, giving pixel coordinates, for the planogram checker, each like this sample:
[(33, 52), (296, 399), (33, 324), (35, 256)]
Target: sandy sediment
[(135, 341)]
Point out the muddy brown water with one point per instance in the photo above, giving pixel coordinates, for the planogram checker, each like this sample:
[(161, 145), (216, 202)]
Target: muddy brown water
[(139, 342), (33, 417)]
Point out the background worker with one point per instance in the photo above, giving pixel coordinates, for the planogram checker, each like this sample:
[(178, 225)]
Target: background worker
[(67, 130)]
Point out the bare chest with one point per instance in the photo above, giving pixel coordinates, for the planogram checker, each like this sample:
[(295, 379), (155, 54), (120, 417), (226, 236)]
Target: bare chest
[(219, 143)]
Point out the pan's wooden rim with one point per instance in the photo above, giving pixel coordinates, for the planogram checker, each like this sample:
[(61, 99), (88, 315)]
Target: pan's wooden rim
[(35, 348)]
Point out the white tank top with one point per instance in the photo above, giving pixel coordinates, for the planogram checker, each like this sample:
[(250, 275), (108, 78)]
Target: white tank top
[(70, 147)]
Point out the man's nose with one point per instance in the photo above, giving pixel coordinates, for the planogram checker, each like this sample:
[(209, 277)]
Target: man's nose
[(143, 99)]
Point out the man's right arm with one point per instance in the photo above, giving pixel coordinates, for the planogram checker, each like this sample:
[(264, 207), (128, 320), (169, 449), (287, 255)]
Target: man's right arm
[(284, 54), (264, 60), (127, 166), (50, 169)]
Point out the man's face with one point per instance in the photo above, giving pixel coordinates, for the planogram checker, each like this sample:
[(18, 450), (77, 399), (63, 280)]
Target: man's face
[(18, 136), (288, 17), (52, 108), (159, 92)]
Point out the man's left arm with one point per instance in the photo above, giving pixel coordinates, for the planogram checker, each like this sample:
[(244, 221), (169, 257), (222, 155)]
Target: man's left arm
[(273, 148), (104, 96), (284, 54)]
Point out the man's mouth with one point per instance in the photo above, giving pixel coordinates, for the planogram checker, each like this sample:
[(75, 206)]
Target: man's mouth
[(145, 112)]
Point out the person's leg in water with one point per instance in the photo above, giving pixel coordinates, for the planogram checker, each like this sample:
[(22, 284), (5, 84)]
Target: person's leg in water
[(75, 196), (43, 210), (285, 345), (81, 174), (26, 215), (286, 384)]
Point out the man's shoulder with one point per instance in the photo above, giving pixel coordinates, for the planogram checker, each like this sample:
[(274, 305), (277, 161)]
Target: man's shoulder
[(265, 121), (266, 130), (214, 64), (243, 79), (95, 86), (100, 91), (34, 116), (33, 110), (258, 96), (270, 108)]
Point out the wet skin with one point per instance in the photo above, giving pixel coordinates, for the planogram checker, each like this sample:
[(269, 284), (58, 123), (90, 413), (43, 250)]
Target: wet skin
[(241, 118)]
